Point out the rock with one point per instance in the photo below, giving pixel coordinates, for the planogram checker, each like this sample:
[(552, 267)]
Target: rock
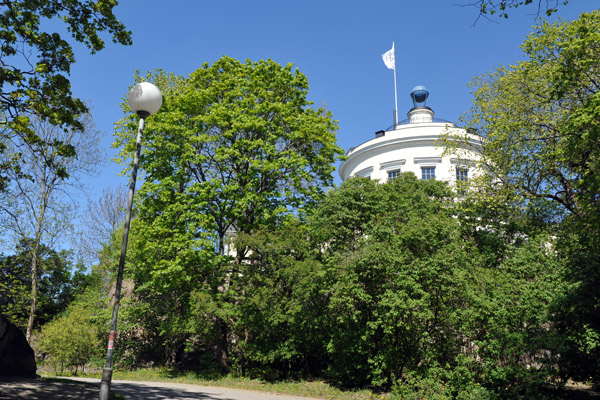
[(16, 356)]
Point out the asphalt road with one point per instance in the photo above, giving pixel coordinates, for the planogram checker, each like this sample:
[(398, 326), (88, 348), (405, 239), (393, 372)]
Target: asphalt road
[(163, 390)]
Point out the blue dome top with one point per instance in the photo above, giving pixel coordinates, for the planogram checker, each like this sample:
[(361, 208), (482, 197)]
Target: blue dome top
[(419, 94)]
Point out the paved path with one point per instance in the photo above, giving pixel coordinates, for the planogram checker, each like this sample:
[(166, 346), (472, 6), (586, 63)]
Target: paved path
[(165, 390), (44, 389)]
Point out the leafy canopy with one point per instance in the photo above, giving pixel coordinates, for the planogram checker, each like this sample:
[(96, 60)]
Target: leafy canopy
[(58, 278), (540, 120), (397, 273), (236, 146), (36, 63)]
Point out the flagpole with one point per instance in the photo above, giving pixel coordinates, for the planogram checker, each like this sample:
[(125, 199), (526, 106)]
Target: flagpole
[(389, 59), (395, 91)]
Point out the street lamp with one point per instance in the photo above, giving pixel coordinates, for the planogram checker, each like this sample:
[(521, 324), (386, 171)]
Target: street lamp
[(145, 99)]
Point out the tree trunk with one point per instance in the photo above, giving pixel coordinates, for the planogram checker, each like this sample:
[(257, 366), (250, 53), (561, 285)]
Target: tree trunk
[(33, 300), (222, 345), (35, 263)]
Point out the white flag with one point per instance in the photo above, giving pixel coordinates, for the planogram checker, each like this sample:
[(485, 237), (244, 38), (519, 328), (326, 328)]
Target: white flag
[(389, 59)]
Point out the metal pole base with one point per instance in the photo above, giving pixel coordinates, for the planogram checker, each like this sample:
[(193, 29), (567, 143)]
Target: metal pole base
[(105, 384)]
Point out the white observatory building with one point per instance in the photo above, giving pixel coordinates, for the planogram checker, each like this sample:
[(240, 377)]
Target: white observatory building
[(412, 146)]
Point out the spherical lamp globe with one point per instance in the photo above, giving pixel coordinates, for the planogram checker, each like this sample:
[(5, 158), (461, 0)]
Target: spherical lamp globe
[(145, 99)]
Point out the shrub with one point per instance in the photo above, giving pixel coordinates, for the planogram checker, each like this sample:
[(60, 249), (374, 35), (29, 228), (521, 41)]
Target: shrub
[(70, 340)]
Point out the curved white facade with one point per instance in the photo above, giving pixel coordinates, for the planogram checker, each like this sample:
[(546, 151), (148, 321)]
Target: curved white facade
[(413, 147)]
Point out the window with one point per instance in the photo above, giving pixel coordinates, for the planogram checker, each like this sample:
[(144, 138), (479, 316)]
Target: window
[(364, 173), (391, 168), (427, 173), (393, 174), (462, 177)]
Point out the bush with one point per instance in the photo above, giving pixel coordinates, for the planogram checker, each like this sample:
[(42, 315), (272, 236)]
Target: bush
[(70, 340), (434, 386)]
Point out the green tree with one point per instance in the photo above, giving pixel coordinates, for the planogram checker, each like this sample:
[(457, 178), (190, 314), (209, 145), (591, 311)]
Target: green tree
[(70, 340), (15, 291), (279, 304), (510, 320), (539, 119), (236, 145), (36, 63), (241, 139), (577, 313), (417, 294), (36, 203), (540, 123), (71, 337), (58, 283), (397, 272)]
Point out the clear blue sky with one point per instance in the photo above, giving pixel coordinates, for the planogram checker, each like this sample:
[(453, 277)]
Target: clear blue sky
[(336, 44)]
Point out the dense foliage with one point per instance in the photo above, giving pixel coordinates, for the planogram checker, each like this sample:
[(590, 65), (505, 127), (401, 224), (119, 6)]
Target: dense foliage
[(70, 340), (539, 118), (58, 283), (396, 285), (367, 294), (241, 263), (235, 146), (541, 126)]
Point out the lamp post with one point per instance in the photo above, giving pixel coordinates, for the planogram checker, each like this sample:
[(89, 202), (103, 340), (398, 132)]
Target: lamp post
[(145, 99)]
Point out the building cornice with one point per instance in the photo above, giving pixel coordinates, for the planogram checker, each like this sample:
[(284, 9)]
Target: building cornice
[(402, 138)]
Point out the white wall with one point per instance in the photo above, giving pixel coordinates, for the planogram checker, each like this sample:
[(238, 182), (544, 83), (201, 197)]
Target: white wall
[(409, 148)]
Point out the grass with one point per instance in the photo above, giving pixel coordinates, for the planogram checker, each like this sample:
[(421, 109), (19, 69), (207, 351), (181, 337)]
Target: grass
[(315, 389)]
